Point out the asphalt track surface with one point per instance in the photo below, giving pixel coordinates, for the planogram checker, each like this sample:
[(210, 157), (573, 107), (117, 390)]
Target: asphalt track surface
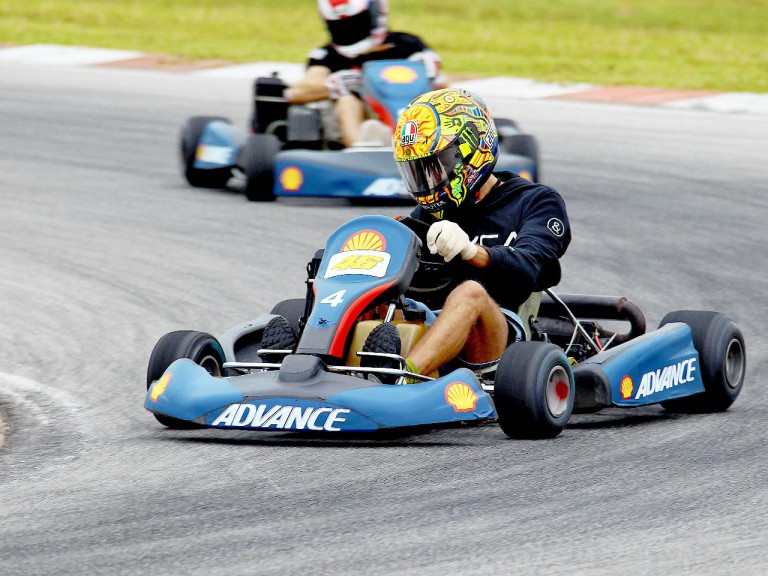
[(104, 249)]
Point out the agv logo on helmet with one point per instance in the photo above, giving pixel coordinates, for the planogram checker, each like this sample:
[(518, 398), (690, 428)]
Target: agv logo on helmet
[(408, 134)]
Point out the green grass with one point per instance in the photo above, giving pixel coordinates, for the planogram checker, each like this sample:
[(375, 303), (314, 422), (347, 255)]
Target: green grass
[(697, 44)]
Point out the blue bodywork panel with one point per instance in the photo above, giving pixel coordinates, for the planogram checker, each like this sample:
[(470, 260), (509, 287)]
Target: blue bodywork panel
[(190, 393), (357, 173), (218, 146), (390, 85), (350, 173), (658, 366), (364, 260)]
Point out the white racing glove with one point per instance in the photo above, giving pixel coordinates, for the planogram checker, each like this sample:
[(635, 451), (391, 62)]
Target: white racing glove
[(431, 62), (343, 82), (449, 240)]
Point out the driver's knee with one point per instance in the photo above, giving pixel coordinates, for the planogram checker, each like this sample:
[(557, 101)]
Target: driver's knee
[(469, 293)]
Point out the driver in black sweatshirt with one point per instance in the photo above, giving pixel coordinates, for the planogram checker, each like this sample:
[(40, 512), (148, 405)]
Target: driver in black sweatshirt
[(506, 233)]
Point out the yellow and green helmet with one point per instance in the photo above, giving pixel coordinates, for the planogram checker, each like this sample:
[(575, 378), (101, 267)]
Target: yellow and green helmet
[(445, 147)]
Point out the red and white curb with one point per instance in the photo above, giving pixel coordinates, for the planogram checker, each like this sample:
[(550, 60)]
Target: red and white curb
[(519, 88)]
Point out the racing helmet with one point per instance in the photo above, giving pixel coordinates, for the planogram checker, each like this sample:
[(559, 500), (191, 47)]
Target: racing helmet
[(445, 148), (356, 26)]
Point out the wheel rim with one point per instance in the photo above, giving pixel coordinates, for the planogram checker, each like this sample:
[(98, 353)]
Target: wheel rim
[(211, 365), (734, 363), (558, 391)]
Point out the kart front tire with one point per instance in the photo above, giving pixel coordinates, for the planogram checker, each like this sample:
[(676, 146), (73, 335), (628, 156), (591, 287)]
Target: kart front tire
[(200, 347), (256, 160), (722, 360), (534, 390), (190, 139)]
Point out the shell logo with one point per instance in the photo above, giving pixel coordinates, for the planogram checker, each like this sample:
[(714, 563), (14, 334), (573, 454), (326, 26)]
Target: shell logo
[(526, 174), (460, 396), (399, 74), (627, 387), (365, 240), (159, 387), (291, 179)]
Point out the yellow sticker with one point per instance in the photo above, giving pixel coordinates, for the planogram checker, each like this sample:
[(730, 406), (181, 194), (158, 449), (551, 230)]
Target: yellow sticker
[(159, 387), (460, 396), (291, 179)]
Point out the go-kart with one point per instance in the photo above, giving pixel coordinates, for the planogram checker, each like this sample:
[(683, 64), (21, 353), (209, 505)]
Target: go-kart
[(295, 150), (694, 361)]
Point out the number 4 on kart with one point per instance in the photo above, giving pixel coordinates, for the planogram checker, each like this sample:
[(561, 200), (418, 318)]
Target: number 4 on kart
[(334, 299)]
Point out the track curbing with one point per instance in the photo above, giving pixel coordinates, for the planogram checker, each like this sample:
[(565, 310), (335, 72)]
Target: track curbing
[(508, 87)]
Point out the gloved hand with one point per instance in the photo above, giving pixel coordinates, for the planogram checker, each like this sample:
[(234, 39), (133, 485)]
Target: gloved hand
[(431, 63), (344, 82), (448, 239)]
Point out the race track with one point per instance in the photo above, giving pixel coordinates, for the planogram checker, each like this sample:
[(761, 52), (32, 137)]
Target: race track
[(104, 249)]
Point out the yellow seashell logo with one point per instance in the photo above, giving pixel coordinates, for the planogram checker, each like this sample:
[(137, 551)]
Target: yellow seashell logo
[(399, 74), (365, 240), (291, 179), (627, 387), (526, 174), (159, 387), (460, 396)]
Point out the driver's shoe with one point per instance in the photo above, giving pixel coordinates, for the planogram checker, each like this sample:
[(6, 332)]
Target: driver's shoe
[(383, 339), (278, 335)]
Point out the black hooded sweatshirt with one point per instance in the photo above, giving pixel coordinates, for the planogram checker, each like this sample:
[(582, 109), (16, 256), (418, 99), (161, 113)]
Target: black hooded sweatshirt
[(524, 226)]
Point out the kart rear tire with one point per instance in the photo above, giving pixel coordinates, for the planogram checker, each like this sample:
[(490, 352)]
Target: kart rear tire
[(256, 160), (506, 127), (200, 347), (722, 360), (534, 390), (523, 145), (190, 138), (292, 310)]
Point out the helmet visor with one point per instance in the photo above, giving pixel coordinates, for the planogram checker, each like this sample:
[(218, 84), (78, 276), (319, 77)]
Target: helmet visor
[(350, 30), (423, 176)]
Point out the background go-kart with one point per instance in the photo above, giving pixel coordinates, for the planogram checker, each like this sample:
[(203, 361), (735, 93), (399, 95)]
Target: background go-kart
[(104, 248)]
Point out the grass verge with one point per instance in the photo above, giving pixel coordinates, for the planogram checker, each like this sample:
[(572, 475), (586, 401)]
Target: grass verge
[(696, 44)]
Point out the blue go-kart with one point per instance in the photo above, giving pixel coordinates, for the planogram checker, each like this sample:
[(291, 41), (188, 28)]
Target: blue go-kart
[(694, 361), (294, 150)]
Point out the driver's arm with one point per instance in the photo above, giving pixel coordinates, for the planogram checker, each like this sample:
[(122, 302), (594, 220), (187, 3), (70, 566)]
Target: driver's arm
[(311, 87), (433, 66), (482, 259)]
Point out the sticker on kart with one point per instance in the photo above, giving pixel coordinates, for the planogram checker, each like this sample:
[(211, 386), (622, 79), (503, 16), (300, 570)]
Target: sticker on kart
[(362, 262)]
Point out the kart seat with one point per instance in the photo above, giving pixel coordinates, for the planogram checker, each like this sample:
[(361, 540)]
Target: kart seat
[(528, 311)]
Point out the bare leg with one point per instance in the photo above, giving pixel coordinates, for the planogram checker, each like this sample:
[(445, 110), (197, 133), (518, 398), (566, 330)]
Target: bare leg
[(350, 114), (470, 324)]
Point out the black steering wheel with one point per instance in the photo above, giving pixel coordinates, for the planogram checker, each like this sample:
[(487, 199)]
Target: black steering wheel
[(435, 278)]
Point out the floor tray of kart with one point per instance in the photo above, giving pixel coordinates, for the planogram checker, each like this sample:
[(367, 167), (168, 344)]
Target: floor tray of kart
[(567, 360)]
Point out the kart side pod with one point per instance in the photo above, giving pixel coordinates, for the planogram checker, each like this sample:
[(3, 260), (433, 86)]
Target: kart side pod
[(653, 368)]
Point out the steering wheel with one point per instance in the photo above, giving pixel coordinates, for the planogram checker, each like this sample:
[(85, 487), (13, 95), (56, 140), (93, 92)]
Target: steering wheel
[(435, 277)]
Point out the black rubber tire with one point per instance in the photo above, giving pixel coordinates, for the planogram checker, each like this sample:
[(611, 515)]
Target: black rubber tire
[(506, 127), (292, 310), (190, 138), (199, 347), (523, 145), (256, 159), (722, 360), (525, 373)]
